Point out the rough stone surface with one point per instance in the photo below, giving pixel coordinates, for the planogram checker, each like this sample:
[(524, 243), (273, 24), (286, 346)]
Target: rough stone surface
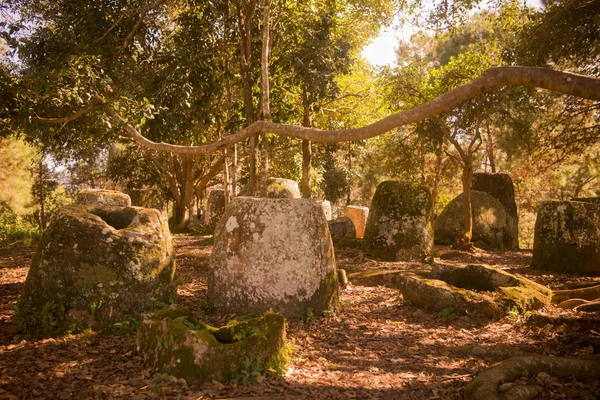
[(437, 295), (215, 206), (341, 228), (273, 254), (326, 206), (97, 265), (358, 215), (174, 342), (567, 237), (593, 200), (147, 198), (280, 188), (489, 220), (517, 291), (399, 224), (501, 187), (101, 197)]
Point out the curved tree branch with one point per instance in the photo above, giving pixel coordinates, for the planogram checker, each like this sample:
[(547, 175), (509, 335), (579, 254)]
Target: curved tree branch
[(545, 78)]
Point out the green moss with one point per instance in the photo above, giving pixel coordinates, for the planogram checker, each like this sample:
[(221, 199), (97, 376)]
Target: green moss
[(209, 353), (34, 320)]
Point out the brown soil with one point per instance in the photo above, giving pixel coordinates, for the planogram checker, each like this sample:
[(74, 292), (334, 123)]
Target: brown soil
[(376, 347)]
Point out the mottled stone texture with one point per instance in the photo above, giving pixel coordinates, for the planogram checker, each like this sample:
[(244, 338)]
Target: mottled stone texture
[(279, 188), (272, 254), (593, 200), (501, 187), (97, 265), (101, 197), (399, 224), (174, 342), (489, 220), (359, 216), (215, 206), (341, 228), (567, 237), (326, 206)]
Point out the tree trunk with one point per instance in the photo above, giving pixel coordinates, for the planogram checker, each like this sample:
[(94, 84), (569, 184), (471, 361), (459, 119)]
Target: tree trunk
[(234, 165), (184, 186), (490, 147), (265, 108), (226, 183), (348, 196), (467, 178), (42, 222), (245, 29), (437, 175), (305, 187)]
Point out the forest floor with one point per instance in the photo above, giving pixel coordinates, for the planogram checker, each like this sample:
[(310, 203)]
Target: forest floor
[(376, 347)]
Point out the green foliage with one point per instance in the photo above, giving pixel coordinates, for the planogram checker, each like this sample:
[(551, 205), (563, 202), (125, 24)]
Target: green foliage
[(447, 314), (308, 315), (124, 327), (44, 321)]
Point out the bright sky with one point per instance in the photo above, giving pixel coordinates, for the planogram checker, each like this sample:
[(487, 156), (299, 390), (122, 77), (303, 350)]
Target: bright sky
[(381, 50)]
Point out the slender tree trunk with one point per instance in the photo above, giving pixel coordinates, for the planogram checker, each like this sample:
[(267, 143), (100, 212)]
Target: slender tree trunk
[(467, 178), (42, 194), (182, 207), (264, 96), (437, 175), (226, 182), (305, 186), (422, 156), (349, 195), (234, 165), (490, 147), (245, 28)]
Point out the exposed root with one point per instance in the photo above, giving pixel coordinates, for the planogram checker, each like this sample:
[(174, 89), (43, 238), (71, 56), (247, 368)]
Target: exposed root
[(571, 303), (588, 293), (485, 385)]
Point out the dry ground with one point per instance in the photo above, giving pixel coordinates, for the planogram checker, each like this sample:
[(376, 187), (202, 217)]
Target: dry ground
[(376, 347)]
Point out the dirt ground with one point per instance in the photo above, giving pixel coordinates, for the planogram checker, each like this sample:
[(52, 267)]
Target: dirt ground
[(376, 347)]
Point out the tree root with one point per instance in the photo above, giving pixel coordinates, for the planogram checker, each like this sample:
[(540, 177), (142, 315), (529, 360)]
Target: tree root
[(485, 385), (588, 293)]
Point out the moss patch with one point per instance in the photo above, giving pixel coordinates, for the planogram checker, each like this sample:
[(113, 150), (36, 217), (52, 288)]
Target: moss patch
[(173, 341), (399, 225)]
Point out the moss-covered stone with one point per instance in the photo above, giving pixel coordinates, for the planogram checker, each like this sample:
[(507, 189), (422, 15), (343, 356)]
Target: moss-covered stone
[(489, 220), (389, 278), (500, 186), (567, 237), (399, 224), (437, 295), (342, 228), (174, 342), (101, 197), (280, 188), (215, 207), (517, 292), (273, 254), (95, 266)]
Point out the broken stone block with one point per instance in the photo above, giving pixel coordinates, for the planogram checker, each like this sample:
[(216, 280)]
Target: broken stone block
[(341, 228), (215, 206), (280, 188), (273, 254), (567, 237), (326, 206), (358, 215), (101, 197), (516, 291), (95, 266), (176, 343), (501, 187), (489, 220), (399, 224)]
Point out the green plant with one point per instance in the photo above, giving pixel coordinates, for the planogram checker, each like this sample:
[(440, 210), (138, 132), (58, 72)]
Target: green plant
[(30, 319), (207, 306), (513, 312), (308, 315), (124, 327), (447, 314), (251, 369)]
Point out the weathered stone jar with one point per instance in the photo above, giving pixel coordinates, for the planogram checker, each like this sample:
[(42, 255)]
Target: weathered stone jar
[(567, 237), (102, 197), (174, 342), (399, 224), (273, 254), (95, 266)]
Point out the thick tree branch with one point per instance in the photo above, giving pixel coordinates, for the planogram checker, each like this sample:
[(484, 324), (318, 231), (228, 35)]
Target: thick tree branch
[(545, 78), (92, 107)]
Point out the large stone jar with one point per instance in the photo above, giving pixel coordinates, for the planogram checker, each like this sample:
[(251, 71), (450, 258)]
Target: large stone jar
[(273, 254), (399, 223), (95, 266), (567, 237)]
